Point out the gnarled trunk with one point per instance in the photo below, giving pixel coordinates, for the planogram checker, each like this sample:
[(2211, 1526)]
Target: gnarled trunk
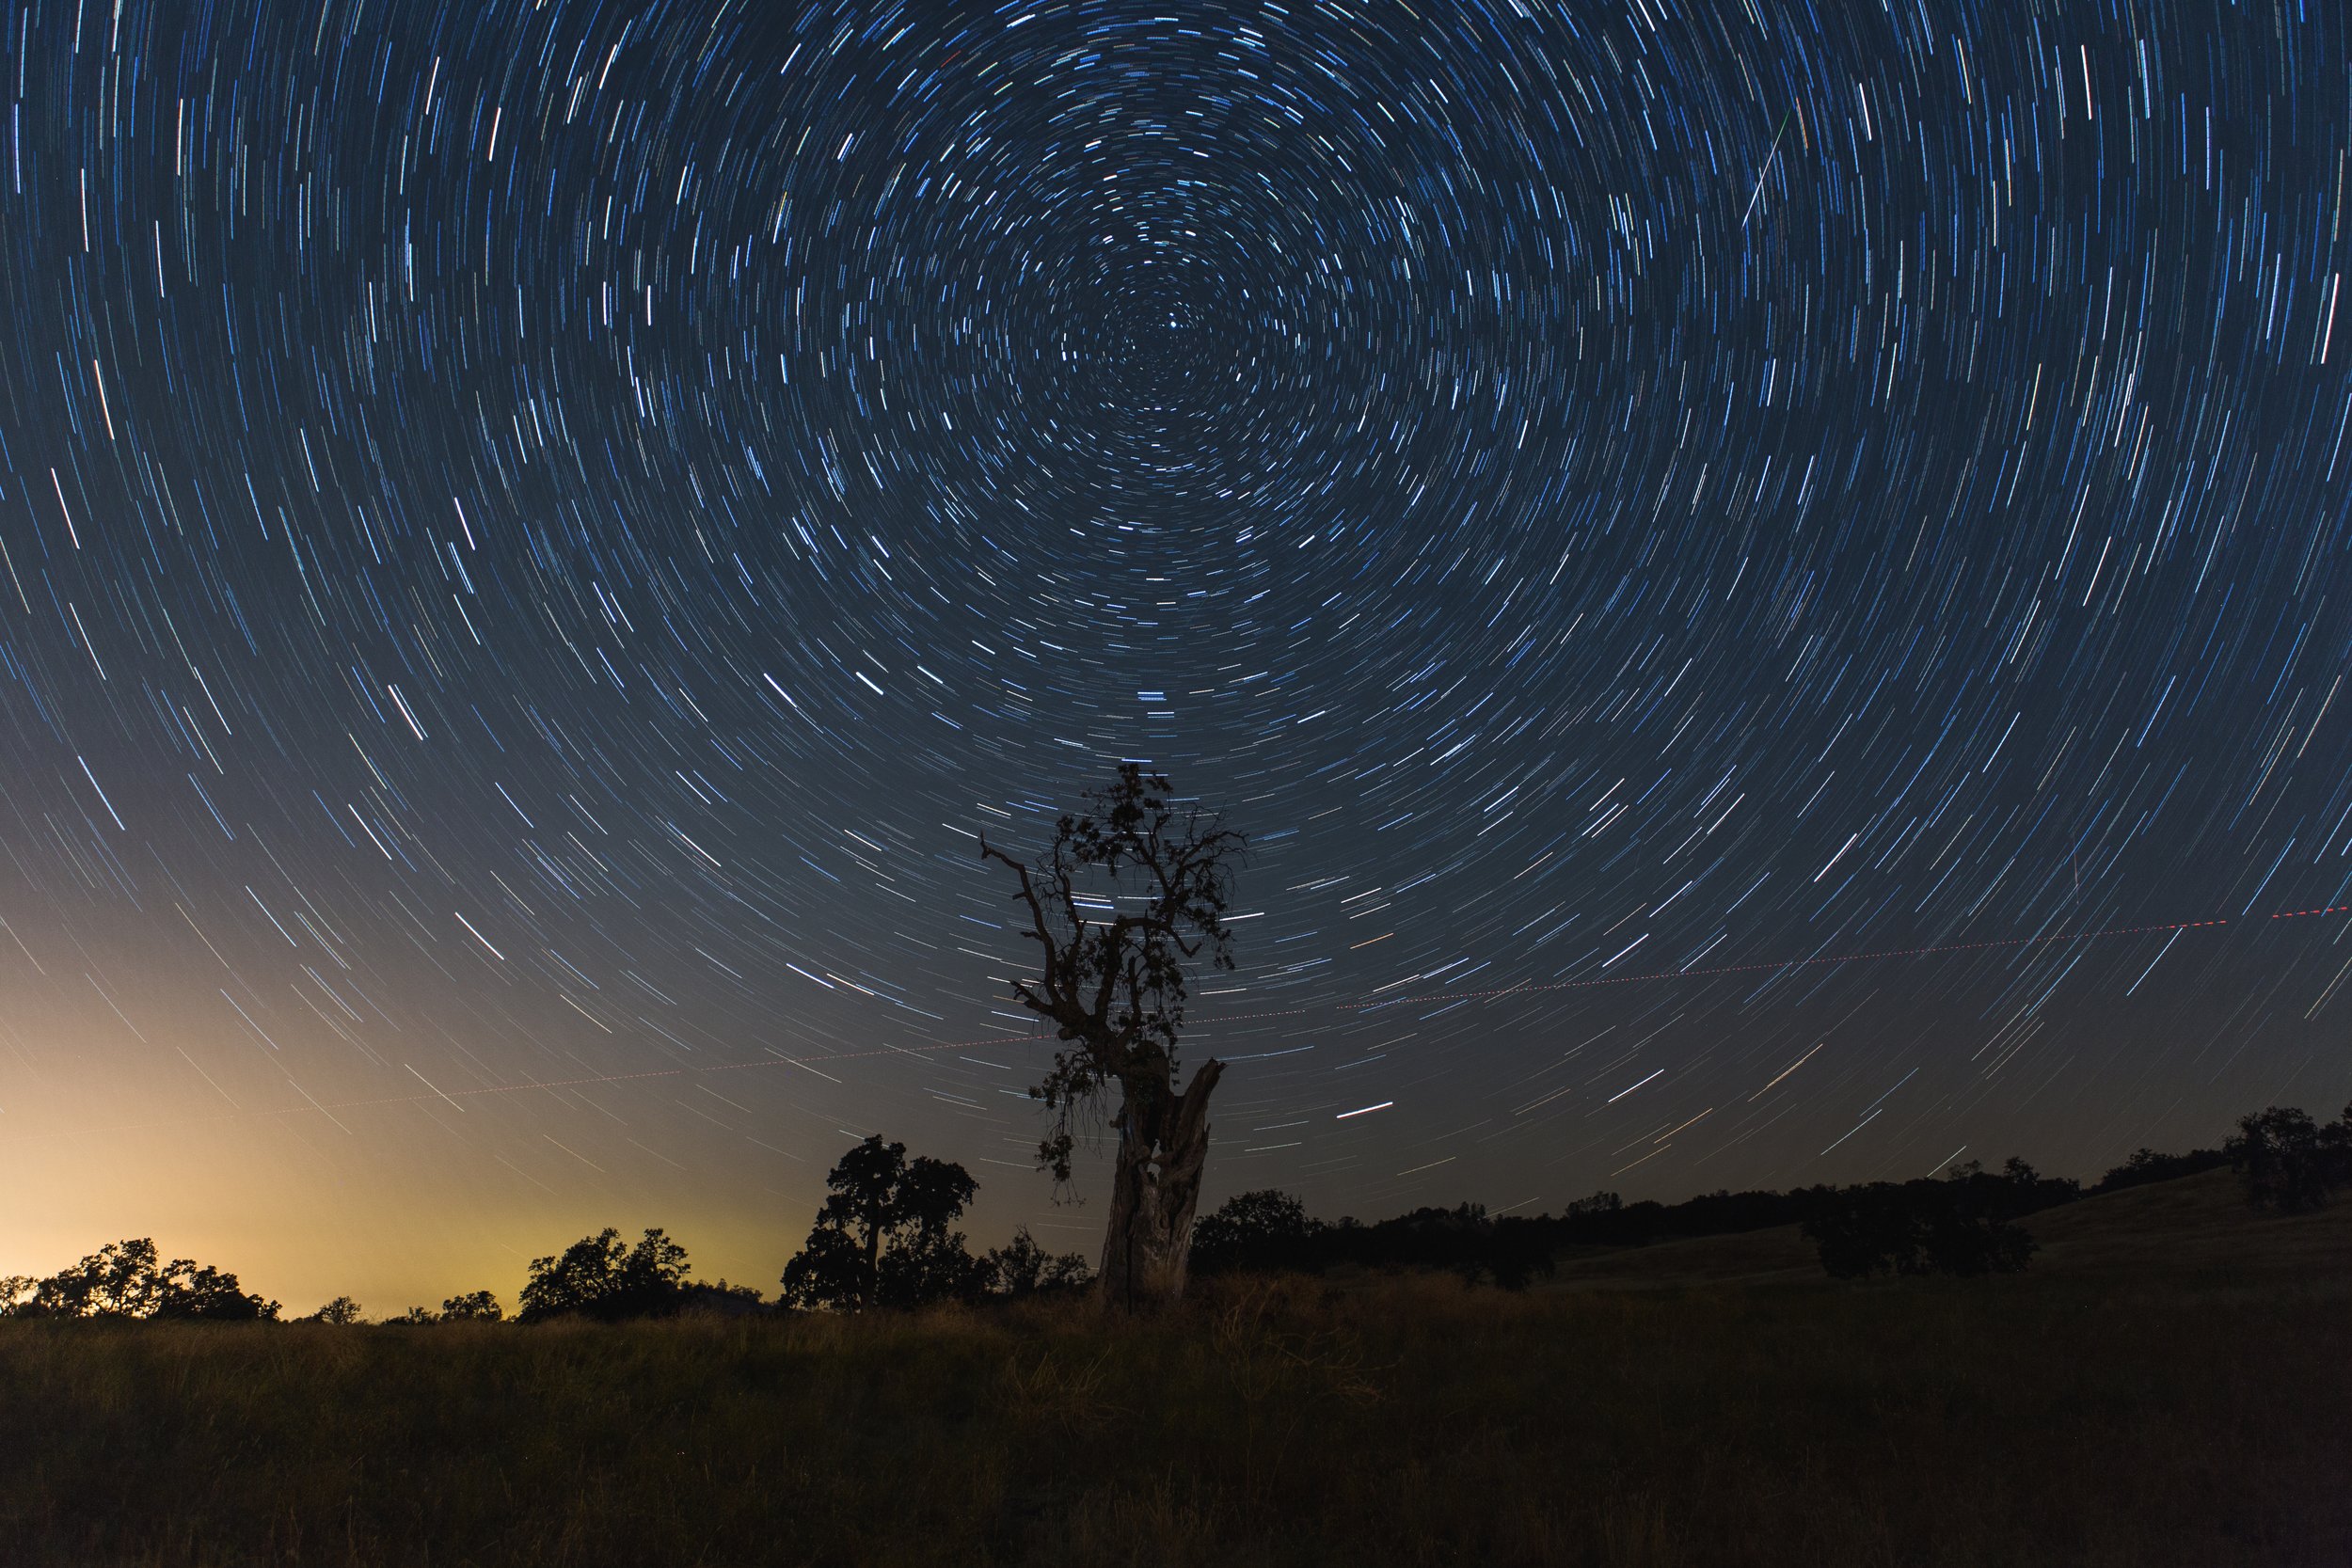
[(1162, 1146)]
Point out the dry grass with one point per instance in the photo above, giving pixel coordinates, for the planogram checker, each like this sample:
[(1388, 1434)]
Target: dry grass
[(2106, 1414)]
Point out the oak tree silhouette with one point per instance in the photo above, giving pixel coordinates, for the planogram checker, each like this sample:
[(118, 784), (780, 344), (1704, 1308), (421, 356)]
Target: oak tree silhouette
[(1130, 892), (2290, 1162), (882, 1237), (1264, 1230), (194, 1292), (597, 1277), (478, 1307), (124, 1279)]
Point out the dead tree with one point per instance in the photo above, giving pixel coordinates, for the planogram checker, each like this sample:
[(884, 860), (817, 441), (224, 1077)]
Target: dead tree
[(1129, 895)]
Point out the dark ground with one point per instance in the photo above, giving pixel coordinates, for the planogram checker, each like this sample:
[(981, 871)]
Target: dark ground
[(2172, 1384)]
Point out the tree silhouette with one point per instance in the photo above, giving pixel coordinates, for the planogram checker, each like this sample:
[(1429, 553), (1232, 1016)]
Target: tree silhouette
[(478, 1307), (1861, 1231), (120, 1279), (829, 1271), (929, 1267), (722, 1300), (341, 1312), (597, 1277), (2148, 1165), (201, 1293), (1263, 1230), (1022, 1268), (123, 1279), (1129, 895), (2290, 1162), (1964, 1225), (882, 1239)]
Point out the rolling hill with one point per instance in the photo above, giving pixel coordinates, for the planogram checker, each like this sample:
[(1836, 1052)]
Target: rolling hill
[(2198, 1225)]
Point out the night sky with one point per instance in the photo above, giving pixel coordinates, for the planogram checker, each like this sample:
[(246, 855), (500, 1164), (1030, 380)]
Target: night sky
[(1711, 546)]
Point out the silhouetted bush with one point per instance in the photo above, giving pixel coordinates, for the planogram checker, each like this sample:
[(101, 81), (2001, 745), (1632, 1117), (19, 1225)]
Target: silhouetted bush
[(478, 1307), (123, 1279), (597, 1277), (722, 1300), (1022, 1268)]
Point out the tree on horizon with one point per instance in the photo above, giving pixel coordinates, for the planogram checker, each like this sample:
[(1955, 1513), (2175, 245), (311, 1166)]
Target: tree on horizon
[(1127, 896), (124, 1279), (882, 1237), (2289, 1161), (597, 1276)]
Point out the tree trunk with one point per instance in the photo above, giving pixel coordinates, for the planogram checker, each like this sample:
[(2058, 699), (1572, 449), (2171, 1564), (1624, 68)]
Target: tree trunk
[(1162, 1147)]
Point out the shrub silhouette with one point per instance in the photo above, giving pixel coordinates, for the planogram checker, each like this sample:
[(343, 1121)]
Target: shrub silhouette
[(597, 1277), (471, 1307), (123, 1279), (1023, 1268), (882, 1239), (342, 1311), (722, 1300)]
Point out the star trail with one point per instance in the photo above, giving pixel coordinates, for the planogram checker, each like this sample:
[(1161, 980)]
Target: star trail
[(1771, 583)]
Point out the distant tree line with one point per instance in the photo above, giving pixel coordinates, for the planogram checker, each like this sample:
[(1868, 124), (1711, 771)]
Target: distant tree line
[(1964, 1222), (1961, 1224), (885, 1240)]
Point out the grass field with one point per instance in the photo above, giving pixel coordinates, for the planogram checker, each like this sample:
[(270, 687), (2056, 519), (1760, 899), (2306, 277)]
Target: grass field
[(2173, 1384)]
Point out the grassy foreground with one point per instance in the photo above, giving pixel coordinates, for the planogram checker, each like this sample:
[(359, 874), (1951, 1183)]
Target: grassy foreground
[(2123, 1413)]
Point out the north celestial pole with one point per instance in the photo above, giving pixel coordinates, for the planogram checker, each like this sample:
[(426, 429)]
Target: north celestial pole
[(536, 536)]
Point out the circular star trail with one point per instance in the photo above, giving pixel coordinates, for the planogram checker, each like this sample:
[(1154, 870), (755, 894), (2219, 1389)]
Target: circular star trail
[(1710, 547)]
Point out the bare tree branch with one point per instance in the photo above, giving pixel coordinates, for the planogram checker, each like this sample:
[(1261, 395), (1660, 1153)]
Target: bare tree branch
[(1114, 992)]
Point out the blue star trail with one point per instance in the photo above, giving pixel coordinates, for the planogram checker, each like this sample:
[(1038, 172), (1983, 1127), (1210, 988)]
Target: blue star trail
[(535, 536)]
